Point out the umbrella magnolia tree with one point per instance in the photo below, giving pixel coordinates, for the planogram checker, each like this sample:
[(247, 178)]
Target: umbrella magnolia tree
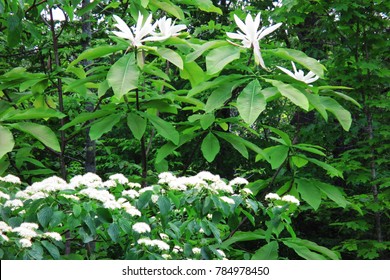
[(152, 76)]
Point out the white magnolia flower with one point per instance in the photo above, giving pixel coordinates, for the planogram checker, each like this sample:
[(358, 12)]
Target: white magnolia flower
[(53, 235), (26, 243), (11, 179), (140, 31), (272, 196), (300, 75), (290, 199), (251, 36), (167, 29), (141, 227)]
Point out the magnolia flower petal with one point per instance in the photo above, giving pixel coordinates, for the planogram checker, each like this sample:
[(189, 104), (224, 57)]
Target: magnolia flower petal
[(257, 54), (121, 25), (235, 36), (311, 80), (175, 29), (240, 24), (122, 35), (268, 30), (288, 72)]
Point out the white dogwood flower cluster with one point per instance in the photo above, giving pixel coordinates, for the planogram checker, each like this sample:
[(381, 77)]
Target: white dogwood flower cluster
[(287, 198), (154, 243), (11, 179), (141, 227)]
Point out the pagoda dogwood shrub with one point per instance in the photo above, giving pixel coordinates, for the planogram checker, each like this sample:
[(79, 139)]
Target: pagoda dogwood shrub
[(192, 217)]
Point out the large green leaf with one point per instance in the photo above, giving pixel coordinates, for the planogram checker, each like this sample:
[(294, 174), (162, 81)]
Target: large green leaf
[(290, 92), (104, 125), (303, 251), (169, 147), (240, 236), (207, 120), (277, 155), (34, 113), (52, 249), (7, 141), (137, 125), (114, 232), (213, 84), (192, 72), (44, 216), (315, 247), (199, 50), (251, 102), (96, 52), (40, 132), (164, 204), (309, 192), (299, 57), (219, 96), (168, 7), (123, 75), (210, 147), (341, 114), (267, 252), (83, 117), (218, 58), (237, 142), (331, 170), (282, 135), (171, 56), (164, 128), (333, 193)]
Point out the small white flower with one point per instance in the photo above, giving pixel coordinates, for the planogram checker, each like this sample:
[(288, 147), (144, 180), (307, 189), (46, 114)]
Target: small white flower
[(112, 204), (222, 253), (167, 29), (247, 191), (290, 199), (134, 185), (130, 209), (29, 225), (300, 75), (150, 188), (130, 193), (250, 35), (160, 244), (228, 200), (166, 177), (26, 243), (140, 31), (164, 236), (5, 237), (238, 181), (177, 249), (13, 204), (209, 216), (38, 195), (145, 241), (11, 179), (154, 198), (206, 175), (196, 251), (166, 256), (4, 195), (25, 232), (53, 235), (4, 227), (120, 178), (90, 180), (109, 184), (272, 196), (141, 227)]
